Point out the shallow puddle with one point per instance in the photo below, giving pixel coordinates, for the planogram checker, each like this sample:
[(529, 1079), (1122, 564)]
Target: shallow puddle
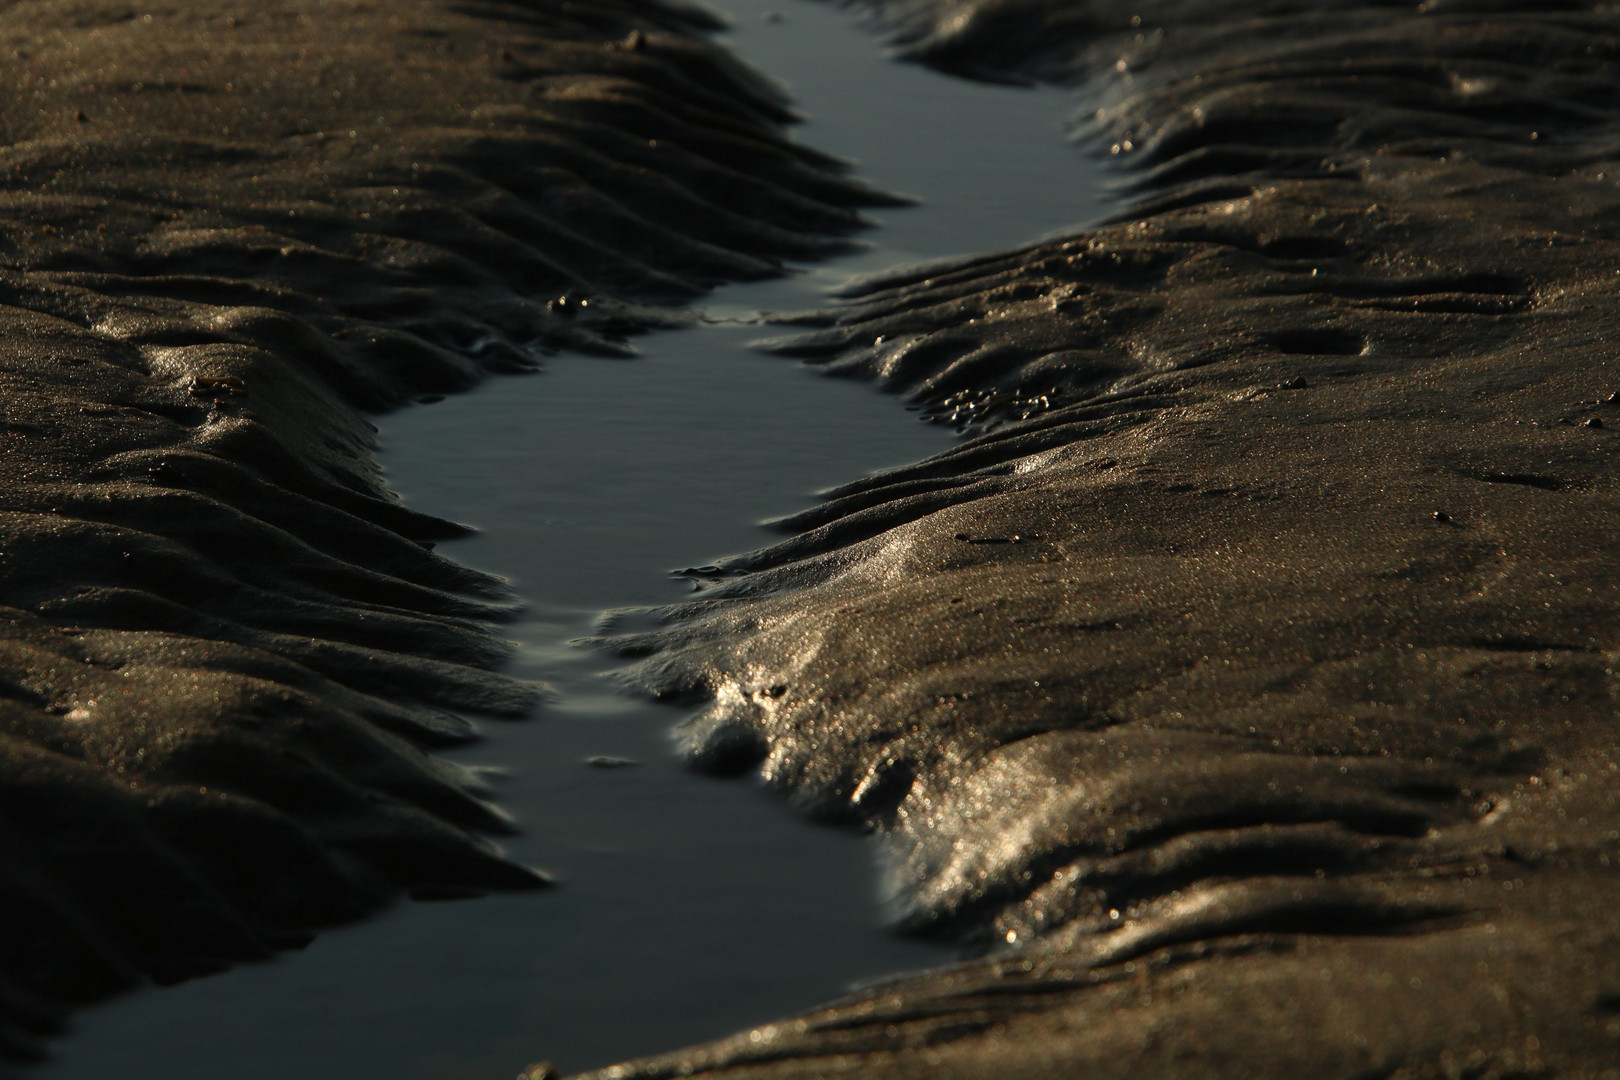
[(687, 908)]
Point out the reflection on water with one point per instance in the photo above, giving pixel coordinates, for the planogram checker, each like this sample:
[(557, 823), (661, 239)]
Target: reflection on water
[(687, 907)]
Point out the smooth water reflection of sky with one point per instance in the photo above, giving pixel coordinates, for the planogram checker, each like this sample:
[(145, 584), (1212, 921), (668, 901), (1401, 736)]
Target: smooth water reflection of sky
[(687, 908)]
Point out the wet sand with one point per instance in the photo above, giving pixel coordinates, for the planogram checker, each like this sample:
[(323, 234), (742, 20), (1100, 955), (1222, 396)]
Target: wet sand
[(684, 908), (229, 232), (1247, 687)]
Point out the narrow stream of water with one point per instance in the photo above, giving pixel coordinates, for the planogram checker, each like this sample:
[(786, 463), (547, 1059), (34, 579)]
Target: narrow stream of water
[(687, 908)]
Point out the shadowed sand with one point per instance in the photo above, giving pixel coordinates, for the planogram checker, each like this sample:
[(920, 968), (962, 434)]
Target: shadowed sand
[(1247, 685), (227, 231)]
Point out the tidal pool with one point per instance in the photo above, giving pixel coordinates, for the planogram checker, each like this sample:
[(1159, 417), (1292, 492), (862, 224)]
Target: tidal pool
[(686, 907)]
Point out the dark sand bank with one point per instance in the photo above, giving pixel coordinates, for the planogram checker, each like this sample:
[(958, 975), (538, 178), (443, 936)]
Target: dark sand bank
[(228, 230), (1249, 684)]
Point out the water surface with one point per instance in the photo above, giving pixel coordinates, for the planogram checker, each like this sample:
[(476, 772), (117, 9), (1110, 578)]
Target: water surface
[(687, 908)]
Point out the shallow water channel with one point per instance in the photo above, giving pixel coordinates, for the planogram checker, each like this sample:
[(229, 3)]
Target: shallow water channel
[(686, 907)]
